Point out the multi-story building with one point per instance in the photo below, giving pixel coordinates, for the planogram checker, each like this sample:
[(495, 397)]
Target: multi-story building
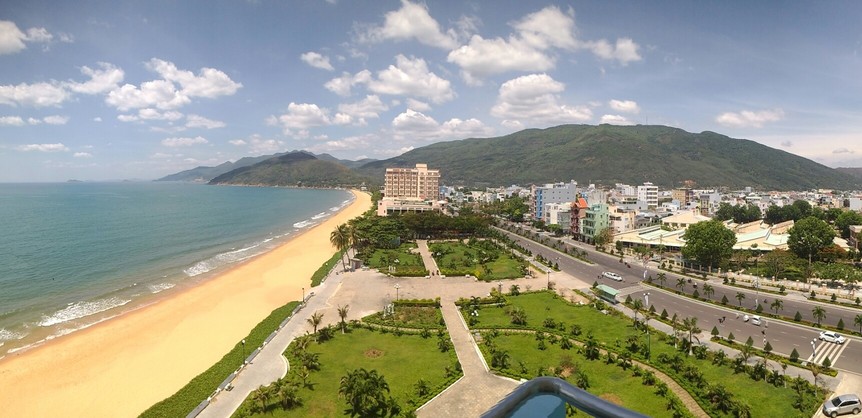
[(684, 196), (552, 193), (578, 211), (410, 190), (558, 214), (418, 183), (648, 194), (595, 221), (621, 220)]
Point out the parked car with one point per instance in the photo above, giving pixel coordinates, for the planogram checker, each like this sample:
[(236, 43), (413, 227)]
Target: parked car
[(611, 275), (841, 405), (832, 337)]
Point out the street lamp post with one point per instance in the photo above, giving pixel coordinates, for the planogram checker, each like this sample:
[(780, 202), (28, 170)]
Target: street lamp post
[(243, 351), (549, 278), (303, 296), (397, 286)]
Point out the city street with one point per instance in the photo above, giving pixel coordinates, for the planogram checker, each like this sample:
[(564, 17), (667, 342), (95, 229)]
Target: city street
[(784, 336)]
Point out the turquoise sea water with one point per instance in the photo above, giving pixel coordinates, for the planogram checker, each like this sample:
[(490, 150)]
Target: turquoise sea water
[(75, 254)]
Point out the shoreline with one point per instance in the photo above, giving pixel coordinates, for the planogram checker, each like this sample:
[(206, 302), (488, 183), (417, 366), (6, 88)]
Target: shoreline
[(123, 365)]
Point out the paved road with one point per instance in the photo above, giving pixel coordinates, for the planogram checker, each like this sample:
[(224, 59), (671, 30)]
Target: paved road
[(783, 336)]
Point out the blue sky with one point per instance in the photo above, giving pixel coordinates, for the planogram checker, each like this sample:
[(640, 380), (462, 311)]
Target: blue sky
[(100, 90)]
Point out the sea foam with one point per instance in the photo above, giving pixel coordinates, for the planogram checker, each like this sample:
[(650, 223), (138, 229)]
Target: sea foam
[(222, 259), (6, 335), (156, 288), (303, 224), (81, 309), (319, 215)]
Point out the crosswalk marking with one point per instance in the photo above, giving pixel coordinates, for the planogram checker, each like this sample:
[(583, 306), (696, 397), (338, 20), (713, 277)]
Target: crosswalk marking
[(826, 349)]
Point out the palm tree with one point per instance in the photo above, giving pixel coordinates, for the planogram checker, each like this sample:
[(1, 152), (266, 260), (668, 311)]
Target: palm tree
[(819, 313), (740, 297), (365, 392), (315, 320), (777, 305), (858, 321), (690, 324), (340, 239), (342, 313), (680, 283), (260, 397), (637, 305), (519, 316), (500, 359), (708, 290), (662, 278), (287, 393), (582, 380)]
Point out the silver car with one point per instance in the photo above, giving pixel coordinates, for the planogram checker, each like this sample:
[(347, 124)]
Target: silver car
[(841, 405)]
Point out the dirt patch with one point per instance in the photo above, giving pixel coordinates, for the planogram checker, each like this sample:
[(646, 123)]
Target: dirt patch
[(373, 353), (612, 398)]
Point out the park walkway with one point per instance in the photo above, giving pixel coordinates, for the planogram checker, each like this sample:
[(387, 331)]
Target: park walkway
[(478, 390), (270, 365), (427, 259)]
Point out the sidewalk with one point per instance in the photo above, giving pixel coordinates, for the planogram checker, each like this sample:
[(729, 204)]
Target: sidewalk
[(478, 390), (427, 259)]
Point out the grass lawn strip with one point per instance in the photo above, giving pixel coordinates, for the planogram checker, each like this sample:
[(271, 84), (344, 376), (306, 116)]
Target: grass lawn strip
[(482, 259), (403, 261), (401, 359), (763, 399)]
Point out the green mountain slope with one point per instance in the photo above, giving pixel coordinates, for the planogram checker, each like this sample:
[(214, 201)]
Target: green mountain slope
[(205, 173), (608, 154), (293, 169)]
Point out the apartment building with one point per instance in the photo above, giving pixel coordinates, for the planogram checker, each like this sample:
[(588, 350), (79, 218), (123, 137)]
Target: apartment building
[(648, 194), (552, 193)]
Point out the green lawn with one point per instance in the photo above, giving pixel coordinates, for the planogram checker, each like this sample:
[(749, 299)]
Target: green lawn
[(480, 259), (612, 333), (410, 317), (609, 382), (402, 260), (402, 360)]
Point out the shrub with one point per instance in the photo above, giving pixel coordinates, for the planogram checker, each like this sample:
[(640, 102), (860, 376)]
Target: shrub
[(794, 355), (840, 324), (797, 317)]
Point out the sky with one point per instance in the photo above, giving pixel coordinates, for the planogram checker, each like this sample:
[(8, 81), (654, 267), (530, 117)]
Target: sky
[(109, 90)]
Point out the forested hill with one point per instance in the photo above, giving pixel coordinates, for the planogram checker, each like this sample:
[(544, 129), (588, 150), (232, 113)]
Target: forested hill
[(294, 169), (608, 154)]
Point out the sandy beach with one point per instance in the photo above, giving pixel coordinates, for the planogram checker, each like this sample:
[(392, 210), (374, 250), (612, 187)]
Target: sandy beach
[(122, 366)]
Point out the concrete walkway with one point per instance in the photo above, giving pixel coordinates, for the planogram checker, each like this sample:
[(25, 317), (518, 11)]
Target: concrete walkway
[(427, 259), (478, 390), (270, 365)]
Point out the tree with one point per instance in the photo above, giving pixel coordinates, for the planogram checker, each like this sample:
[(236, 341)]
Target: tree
[(500, 359), (808, 236), (287, 393), (840, 324), (819, 313), (724, 300), (342, 313), (708, 242), (366, 394), (720, 397), (662, 278), (794, 355), (858, 321), (845, 219), (602, 238), (767, 348), (777, 261), (708, 290), (777, 305), (740, 297), (518, 315), (260, 397), (680, 283), (340, 239), (637, 305), (690, 325), (315, 320)]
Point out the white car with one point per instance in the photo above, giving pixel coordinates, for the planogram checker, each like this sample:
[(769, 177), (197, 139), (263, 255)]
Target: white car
[(832, 337), (611, 275)]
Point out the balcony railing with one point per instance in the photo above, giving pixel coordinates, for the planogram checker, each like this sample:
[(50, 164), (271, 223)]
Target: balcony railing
[(516, 404)]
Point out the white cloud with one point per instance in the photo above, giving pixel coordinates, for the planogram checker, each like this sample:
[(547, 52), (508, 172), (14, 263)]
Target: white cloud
[(303, 116), (58, 147), (163, 93), (258, 145), (316, 60), (787, 144), (626, 106), (56, 120), (197, 121), (615, 120), (102, 80), (97, 119), (153, 114), (34, 121), (533, 99), (12, 39), (410, 77), (237, 142), (749, 119), (411, 21), (411, 125), (82, 155), (533, 46), (343, 85), (11, 121), (352, 142), (842, 150), (418, 105), (35, 95), (370, 107), (184, 141)]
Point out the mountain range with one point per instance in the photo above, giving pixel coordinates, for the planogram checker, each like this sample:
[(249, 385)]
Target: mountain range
[(603, 154)]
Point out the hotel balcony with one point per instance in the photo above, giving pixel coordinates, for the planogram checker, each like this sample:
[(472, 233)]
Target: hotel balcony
[(549, 397)]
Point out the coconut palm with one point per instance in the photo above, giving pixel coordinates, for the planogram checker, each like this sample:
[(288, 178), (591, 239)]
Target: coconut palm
[(315, 320), (858, 321), (340, 239), (708, 290), (680, 283), (342, 313), (819, 313), (720, 397), (637, 305), (366, 393), (519, 316), (287, 393), (777, 305), (500, 359), (662, 278), (740, 297), (690, 324), (260, 397)]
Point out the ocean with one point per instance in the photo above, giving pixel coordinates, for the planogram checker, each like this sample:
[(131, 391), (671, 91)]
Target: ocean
[(75, 254)]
